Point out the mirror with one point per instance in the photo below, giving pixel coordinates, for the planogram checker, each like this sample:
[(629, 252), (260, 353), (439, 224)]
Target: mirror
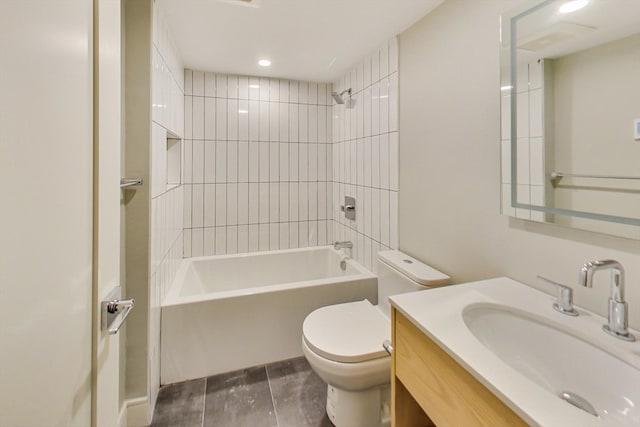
[(570, 90)]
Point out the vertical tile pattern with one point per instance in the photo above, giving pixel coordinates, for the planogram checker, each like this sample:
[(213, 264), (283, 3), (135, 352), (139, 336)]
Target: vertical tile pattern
[(169, 84), (365, 155), (257, 164)]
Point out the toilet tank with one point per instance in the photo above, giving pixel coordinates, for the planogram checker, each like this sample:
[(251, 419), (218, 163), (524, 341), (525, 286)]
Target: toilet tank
[(399, 273)]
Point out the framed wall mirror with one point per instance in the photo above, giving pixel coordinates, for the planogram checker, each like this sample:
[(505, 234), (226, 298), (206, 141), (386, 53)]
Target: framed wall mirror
[(570, 91)]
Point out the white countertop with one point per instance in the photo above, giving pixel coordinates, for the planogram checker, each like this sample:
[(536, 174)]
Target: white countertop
[(438, 313)]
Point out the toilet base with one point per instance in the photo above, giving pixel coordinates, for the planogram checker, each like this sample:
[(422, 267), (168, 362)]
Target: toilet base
[(364, 408)]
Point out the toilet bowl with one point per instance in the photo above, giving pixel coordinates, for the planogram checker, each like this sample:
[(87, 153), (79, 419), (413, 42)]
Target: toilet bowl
[(343, 344)]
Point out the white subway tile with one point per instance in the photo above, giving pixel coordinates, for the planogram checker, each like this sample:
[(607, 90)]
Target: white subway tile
[(313, 162), (274, 202), (535, 113), (293, 201), (368, 257), (385, 219), (322, 94), (293, 92), (375, 109), (274, 121), (293, 161), (264, 161), (243, 161), (284, 121), (232, 239), (221, 119), (232, 119), (198, 83), (303, 92), (221, 240), (221, 161), (313, 123), (313, 93), (322, 162), (313, 200), (322, 200), (197, 242), (188, 88), (243, 88), (393, 102), (283, 162), (254, 88), (393, 161), (254, 238), (232, 204), (303, 162), (264, 202), (283, 237), (198, 118), (232, 87), (264, 121), (536, 162), (293, 235), (254, 203), (187, 207), (313, 233), (243, 203), (221, 204), (197, 176), (384, 161), (274, 161), (274, 236), (274, 90), (197, 209), (243, 239), (303, 234), (375, 214), (232, 161), (209, 118), (303, 201), (264, 237), (523, 163), (209, 205), (303, 123), (384, 105), (210, 85), (254, 161), (322, 124), (375, 162), (284, 202), (209, 238), (523, 115), (293, 123), (221, 86), (254, 120), (188, 117)]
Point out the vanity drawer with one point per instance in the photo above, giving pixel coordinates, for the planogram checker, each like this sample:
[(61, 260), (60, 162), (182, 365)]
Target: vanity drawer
[(446, 392)]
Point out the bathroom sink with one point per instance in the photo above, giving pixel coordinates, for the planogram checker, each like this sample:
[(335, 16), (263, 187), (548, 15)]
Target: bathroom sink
[(559, 361)]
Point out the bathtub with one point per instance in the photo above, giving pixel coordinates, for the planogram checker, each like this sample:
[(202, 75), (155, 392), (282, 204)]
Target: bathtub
[(230, 312)]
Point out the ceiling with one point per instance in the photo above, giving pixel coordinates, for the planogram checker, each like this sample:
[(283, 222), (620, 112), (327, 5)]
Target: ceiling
[(314, 40)]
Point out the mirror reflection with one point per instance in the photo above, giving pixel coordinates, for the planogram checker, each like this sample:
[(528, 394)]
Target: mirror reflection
[(571, 106)]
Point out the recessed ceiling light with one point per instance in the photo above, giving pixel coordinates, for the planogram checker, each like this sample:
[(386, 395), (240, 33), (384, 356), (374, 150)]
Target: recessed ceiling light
[(264, 63), (572, 6)]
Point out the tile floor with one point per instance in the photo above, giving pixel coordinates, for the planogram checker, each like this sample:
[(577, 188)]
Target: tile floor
[(281, 394)]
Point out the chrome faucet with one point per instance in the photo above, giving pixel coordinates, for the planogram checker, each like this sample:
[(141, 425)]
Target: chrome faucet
[(339, 245), (617, 323)]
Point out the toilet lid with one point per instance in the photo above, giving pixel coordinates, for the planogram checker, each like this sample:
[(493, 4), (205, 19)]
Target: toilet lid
[(350, 332)]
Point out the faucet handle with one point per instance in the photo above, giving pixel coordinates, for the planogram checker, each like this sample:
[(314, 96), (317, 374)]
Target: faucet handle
[(564, 302)]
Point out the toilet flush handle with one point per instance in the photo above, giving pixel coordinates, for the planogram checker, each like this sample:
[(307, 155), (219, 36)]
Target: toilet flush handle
[(386, 344)]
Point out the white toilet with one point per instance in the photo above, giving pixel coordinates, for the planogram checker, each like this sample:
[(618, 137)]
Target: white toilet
[(343, 343)]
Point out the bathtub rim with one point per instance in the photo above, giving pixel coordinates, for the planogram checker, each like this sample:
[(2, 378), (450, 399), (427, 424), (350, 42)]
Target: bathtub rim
[(172, 297)]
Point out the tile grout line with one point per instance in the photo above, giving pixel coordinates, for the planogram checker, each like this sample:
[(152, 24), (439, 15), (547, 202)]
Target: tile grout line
[(273, 402), (204, 400)]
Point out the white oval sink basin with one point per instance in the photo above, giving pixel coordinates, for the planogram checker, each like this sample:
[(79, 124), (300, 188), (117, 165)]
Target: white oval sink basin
[(558, 361)]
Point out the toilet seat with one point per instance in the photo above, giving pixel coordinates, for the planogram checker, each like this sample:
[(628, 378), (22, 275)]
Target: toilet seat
[(349, 333)]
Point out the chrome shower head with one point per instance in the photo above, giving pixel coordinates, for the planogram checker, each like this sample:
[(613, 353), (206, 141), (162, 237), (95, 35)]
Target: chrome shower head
[(338, 96)]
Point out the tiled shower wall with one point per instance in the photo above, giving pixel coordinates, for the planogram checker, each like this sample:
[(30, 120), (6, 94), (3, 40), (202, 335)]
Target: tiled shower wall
[(257, 165), (166, 198), (365, 155), (530, 166)]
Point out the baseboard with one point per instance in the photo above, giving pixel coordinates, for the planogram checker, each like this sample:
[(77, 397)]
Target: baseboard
[(122, 417), (137, 412)]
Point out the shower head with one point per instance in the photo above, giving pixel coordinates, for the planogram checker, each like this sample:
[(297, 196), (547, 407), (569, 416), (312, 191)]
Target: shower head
[(338, 96)]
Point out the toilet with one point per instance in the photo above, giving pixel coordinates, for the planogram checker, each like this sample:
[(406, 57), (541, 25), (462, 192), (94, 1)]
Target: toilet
[(343, 343)]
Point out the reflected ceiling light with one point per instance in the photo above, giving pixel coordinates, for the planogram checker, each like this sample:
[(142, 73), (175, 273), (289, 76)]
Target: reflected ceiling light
[(264, 63), (572, 6), (254, 86), (243, 111), (503, 88)]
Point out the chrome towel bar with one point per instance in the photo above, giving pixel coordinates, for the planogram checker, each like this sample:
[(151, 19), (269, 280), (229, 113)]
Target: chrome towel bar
[(559, 175), (130, 182)]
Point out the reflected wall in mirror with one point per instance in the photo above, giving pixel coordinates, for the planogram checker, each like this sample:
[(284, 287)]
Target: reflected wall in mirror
[(570, 98)]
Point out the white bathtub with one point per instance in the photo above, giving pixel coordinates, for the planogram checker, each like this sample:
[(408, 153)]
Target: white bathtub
[(230, 312)]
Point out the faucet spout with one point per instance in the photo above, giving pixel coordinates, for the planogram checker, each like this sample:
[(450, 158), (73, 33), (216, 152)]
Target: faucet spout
[(617, 280), (340, 245), (618, 310)]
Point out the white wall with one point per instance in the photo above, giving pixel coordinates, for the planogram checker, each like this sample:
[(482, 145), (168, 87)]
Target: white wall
[(450, 166), (257, 164), (365, 154), (167, 105)]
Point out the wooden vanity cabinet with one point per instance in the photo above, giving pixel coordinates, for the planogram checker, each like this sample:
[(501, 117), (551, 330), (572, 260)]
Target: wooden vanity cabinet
[(429, 388)]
